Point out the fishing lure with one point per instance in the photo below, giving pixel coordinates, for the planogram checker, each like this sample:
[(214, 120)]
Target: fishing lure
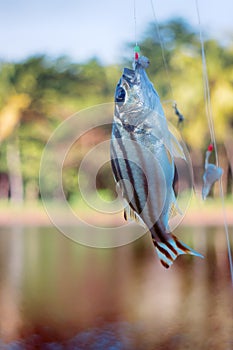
[(179, 115), (211, 175)]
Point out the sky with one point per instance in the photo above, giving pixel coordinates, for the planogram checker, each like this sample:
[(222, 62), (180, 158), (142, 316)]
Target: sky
[(82, 29)]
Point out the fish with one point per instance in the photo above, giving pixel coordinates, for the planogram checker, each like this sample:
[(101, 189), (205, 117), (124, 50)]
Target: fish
[(211, 174), (142, 154)]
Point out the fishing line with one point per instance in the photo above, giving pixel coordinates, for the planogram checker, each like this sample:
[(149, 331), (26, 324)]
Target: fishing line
[(162, 49), (135, 21), (209, 114), (160, 42)]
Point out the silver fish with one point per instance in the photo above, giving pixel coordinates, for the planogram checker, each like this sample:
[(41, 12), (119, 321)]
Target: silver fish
[(142, 158)]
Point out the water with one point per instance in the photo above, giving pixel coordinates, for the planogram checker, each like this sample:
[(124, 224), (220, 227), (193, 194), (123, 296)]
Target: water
[(57, 294)]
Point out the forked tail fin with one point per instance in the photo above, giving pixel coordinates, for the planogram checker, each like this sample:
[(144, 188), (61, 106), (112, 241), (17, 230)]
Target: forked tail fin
[(169, 250)]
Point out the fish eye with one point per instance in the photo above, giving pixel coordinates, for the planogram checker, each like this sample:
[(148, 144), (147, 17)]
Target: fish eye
[(120, 94)]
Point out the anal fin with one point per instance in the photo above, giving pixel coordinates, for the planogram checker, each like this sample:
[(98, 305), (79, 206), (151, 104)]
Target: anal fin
[(131, 215)]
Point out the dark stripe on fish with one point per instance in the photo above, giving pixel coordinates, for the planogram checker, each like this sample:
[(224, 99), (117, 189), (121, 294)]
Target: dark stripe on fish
[(129, 172), (161, 235), (145, 182), (162, 250), (164, 264), (171, 247), (180, 245), (114, 169), (128, 127), (117, 168)]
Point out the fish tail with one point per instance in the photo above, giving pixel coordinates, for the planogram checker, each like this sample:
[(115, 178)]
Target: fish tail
[(170, 249)]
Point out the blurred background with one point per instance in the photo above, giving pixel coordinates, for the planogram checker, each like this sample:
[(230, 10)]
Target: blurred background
[(57, 59)]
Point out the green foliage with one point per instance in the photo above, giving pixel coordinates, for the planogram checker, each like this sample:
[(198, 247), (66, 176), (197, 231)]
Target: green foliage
[(59, 87)]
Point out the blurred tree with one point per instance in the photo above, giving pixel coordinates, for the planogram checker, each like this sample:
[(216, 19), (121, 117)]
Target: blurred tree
[(10, 115), (38, 93)]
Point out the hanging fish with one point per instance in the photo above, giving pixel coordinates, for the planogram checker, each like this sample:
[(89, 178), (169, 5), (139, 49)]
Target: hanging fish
[(211, 175), (142, 158)]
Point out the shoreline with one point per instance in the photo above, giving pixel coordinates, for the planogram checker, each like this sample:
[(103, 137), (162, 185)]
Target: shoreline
[(36, 215)]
